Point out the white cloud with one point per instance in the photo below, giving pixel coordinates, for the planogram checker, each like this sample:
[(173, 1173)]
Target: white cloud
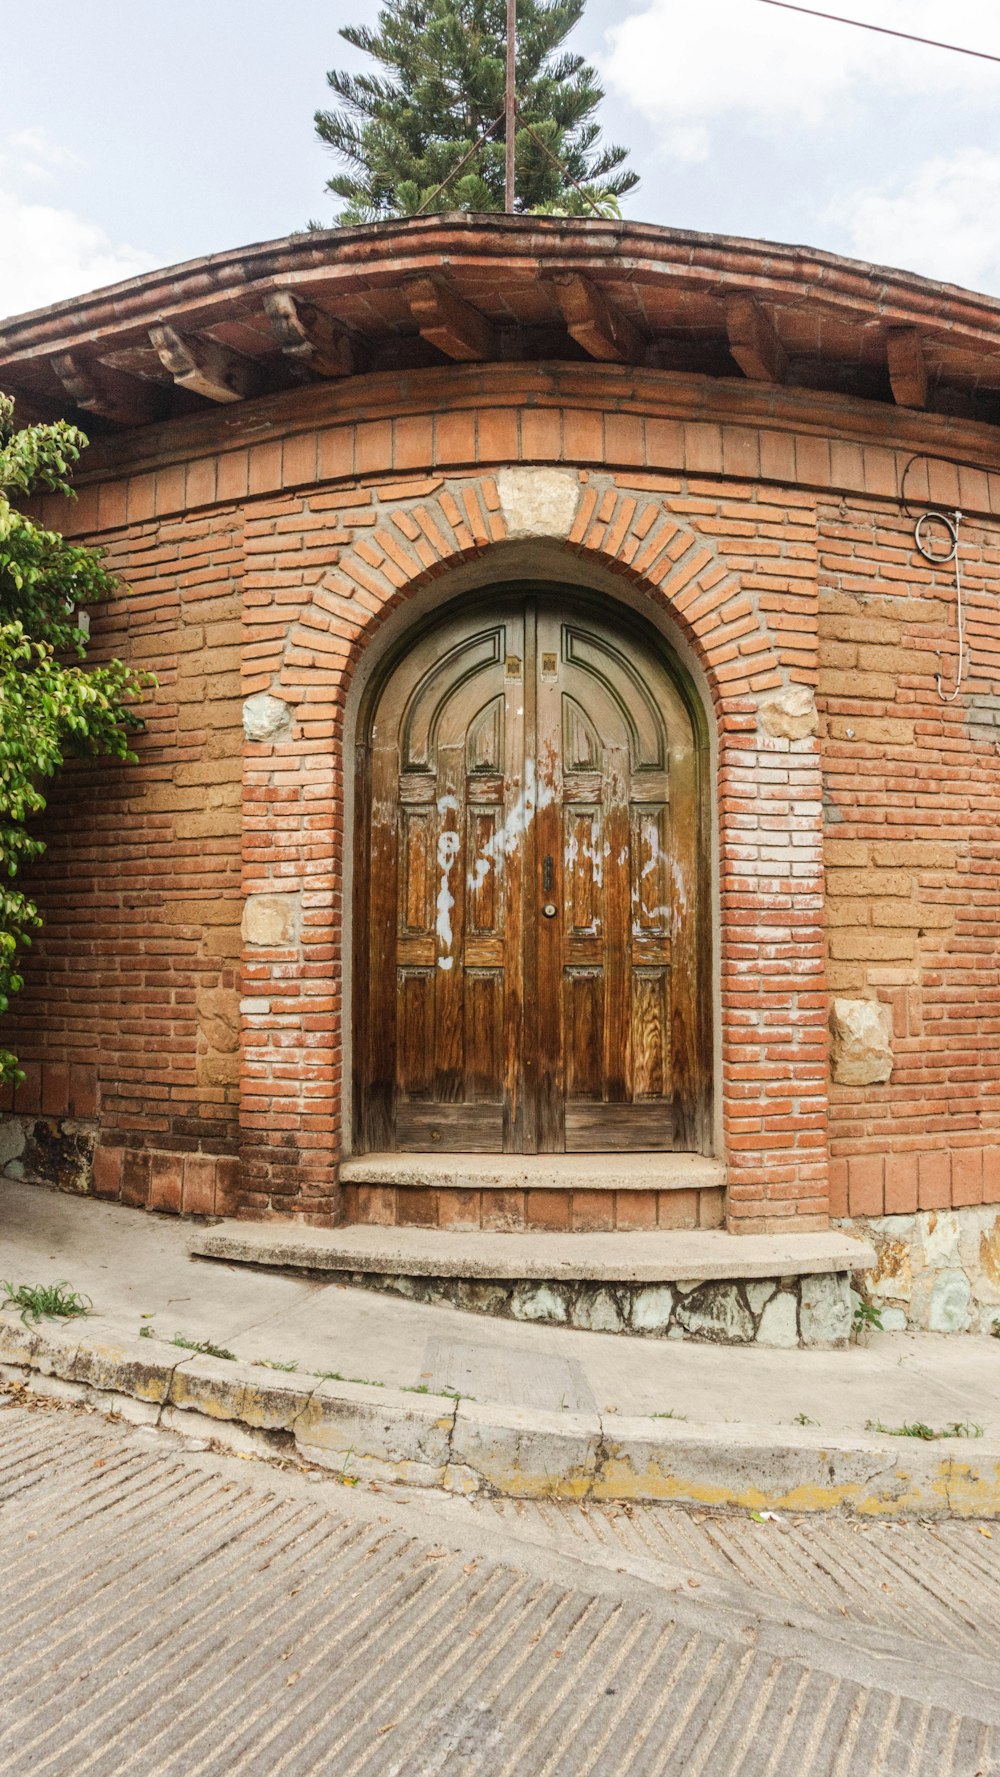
[(940, 222), (49, 253), (687, 66), (34, 154)]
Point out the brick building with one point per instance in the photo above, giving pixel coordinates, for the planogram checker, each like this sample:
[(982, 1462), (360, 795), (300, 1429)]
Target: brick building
[(559, 748)]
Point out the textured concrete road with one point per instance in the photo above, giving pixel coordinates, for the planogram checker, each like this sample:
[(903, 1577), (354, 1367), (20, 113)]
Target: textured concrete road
[(174, 1610)]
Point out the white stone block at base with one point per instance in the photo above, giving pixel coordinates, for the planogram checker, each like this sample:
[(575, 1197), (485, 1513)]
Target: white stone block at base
[(938, 1270)]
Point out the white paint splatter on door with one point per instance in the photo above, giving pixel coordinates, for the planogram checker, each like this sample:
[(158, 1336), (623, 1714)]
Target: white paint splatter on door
[(447, 852)]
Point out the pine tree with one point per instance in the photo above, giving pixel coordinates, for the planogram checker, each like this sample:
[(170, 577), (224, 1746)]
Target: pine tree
[(405, 132)]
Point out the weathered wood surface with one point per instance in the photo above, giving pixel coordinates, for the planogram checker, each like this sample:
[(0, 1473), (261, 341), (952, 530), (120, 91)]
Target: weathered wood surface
[(98, 388), (310, 337), (531, 882), (206, 367), (597, 323), (753, 340), (450, 323), (907, 366)]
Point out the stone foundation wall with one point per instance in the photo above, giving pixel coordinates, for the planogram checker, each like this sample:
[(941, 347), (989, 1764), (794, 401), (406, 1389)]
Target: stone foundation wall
[(52, 1150), (776, 1311), (937, 1269), (66, 1152)]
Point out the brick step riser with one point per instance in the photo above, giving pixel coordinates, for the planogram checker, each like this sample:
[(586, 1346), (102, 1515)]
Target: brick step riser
[(591, 1212)]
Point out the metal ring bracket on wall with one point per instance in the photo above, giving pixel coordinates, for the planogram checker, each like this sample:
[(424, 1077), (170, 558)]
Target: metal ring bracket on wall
[(923, 537)]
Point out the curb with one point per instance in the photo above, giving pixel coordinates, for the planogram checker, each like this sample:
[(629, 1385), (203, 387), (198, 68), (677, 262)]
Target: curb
[(361, 1432)]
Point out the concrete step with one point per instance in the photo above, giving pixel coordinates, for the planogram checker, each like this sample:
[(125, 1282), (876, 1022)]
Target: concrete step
[(729, 1288), (537, 1172), (645, 1258)]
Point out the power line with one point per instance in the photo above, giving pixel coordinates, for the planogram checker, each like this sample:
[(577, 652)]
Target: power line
[(510, 108), (836, 18)]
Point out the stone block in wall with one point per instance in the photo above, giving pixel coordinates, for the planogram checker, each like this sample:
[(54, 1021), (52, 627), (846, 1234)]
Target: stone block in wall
[(861, 1053), (789, 714), (219, 1018), (54, 1150), (272, 921), (266, 718), (218, 1059), (983, 715), (12, 1140), (538, 502)]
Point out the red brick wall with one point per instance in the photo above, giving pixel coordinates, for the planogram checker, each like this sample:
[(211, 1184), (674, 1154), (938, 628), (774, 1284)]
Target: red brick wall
[(770, 535), (913, 855), (133, 982)]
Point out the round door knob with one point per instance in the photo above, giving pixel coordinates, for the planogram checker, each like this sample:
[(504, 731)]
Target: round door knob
[(549, 910)]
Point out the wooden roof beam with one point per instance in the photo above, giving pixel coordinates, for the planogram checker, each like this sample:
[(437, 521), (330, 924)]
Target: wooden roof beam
[(753, 341), (451, 324), (208, 368), (907, 366), (597, 324), (309, 337), (97, 388)]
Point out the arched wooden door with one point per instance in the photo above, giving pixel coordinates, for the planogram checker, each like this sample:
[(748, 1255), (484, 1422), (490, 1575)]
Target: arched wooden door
[(532, 952)]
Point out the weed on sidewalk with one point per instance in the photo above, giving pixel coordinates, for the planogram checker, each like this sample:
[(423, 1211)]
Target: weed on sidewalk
[(45, 1301)]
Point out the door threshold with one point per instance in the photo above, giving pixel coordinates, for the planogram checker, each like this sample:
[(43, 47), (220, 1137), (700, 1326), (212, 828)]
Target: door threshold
[(537, 1172)]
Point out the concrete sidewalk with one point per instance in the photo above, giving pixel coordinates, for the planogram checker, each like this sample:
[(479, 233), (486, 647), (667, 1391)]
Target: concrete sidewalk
[(367, 1383)]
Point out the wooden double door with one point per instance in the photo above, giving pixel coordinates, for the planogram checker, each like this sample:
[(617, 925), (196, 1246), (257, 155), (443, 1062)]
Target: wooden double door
[(531, 953)]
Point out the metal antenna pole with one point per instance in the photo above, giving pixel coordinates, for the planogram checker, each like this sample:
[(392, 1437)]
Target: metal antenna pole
[(510, 110)]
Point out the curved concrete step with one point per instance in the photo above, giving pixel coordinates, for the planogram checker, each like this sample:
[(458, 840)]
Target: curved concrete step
[(655, 1257)]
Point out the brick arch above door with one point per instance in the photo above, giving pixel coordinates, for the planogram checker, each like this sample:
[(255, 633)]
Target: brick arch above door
[(410, 534)]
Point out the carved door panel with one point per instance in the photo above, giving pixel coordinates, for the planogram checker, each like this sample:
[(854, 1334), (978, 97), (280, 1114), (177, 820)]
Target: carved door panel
[(528, 944), (618, 847), (442, 1046)]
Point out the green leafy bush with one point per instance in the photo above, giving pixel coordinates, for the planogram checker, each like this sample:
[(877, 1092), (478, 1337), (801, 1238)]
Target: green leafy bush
[(52, 705)]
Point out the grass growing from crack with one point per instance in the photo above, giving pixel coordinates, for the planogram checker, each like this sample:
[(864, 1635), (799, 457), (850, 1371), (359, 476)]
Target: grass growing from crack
[(404, 1388), (271, 1363), (45, 1301), (959, 1428), (804, 1419), (424, 1388), (204, 1347), (669, 1414), (335, 1376)]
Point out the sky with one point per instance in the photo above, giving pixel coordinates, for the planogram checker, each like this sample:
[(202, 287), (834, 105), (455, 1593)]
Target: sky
[(135, 135)]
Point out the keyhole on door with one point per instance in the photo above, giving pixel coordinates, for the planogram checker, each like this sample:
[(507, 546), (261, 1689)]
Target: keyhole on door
[(547, 876)]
